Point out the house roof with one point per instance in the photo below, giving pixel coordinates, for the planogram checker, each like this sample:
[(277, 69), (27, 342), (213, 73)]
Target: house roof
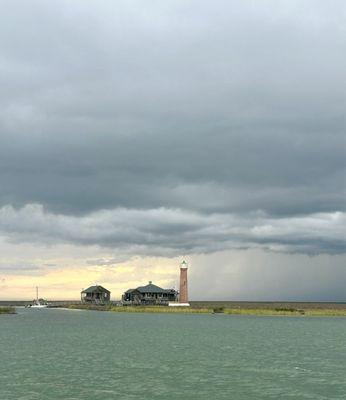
[(131, 290), (151, 288), (96, 289)]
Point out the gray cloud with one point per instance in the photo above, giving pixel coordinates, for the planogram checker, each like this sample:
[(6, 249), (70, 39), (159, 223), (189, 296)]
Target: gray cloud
[(170, 232), (108, 262), (180, 126), (20, 268)]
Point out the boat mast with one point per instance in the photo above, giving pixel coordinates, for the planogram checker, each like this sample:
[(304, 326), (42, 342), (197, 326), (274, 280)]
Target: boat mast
[(37, 293)]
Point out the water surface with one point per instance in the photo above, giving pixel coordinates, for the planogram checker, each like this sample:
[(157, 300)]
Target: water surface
[(71, 354)]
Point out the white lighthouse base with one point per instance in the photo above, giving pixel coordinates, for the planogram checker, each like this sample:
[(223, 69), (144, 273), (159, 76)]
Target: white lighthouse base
[(179, 304)]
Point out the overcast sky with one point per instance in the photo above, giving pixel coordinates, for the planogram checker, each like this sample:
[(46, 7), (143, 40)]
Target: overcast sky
[(133, 134)]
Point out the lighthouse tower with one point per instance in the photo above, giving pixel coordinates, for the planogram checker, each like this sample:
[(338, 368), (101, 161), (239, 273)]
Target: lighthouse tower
[(183, 292), (183, 289)]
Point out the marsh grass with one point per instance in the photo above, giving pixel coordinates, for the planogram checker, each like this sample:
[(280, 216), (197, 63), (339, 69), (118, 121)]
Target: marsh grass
[(215, 310), (326, 313), (287, 312), (162, 309), (142, 309), (263, 311), (7, 310), (218, 310), (92, 307)]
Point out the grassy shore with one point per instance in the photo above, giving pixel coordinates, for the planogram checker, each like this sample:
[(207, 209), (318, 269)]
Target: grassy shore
[(288, 312), (7, 310), (216, 310), (141, 309)]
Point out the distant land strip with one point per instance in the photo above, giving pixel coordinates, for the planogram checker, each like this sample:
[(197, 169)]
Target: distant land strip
[(275, 309), (267, 305), (213, 307)]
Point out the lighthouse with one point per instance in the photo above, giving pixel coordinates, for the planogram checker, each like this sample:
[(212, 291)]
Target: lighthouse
[(183, 290)]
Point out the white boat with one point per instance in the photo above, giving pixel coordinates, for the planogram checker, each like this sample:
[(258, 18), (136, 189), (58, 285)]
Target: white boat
[(37, 303)]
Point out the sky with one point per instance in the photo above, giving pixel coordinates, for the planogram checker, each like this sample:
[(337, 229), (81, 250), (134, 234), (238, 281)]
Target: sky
[(135, 134)]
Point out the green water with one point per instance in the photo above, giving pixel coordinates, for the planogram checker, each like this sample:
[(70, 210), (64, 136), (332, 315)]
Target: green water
[(62, 354)]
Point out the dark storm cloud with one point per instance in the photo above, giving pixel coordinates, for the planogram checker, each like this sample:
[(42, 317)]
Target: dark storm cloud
[(171, 232), (261, 276), (219, 109)]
